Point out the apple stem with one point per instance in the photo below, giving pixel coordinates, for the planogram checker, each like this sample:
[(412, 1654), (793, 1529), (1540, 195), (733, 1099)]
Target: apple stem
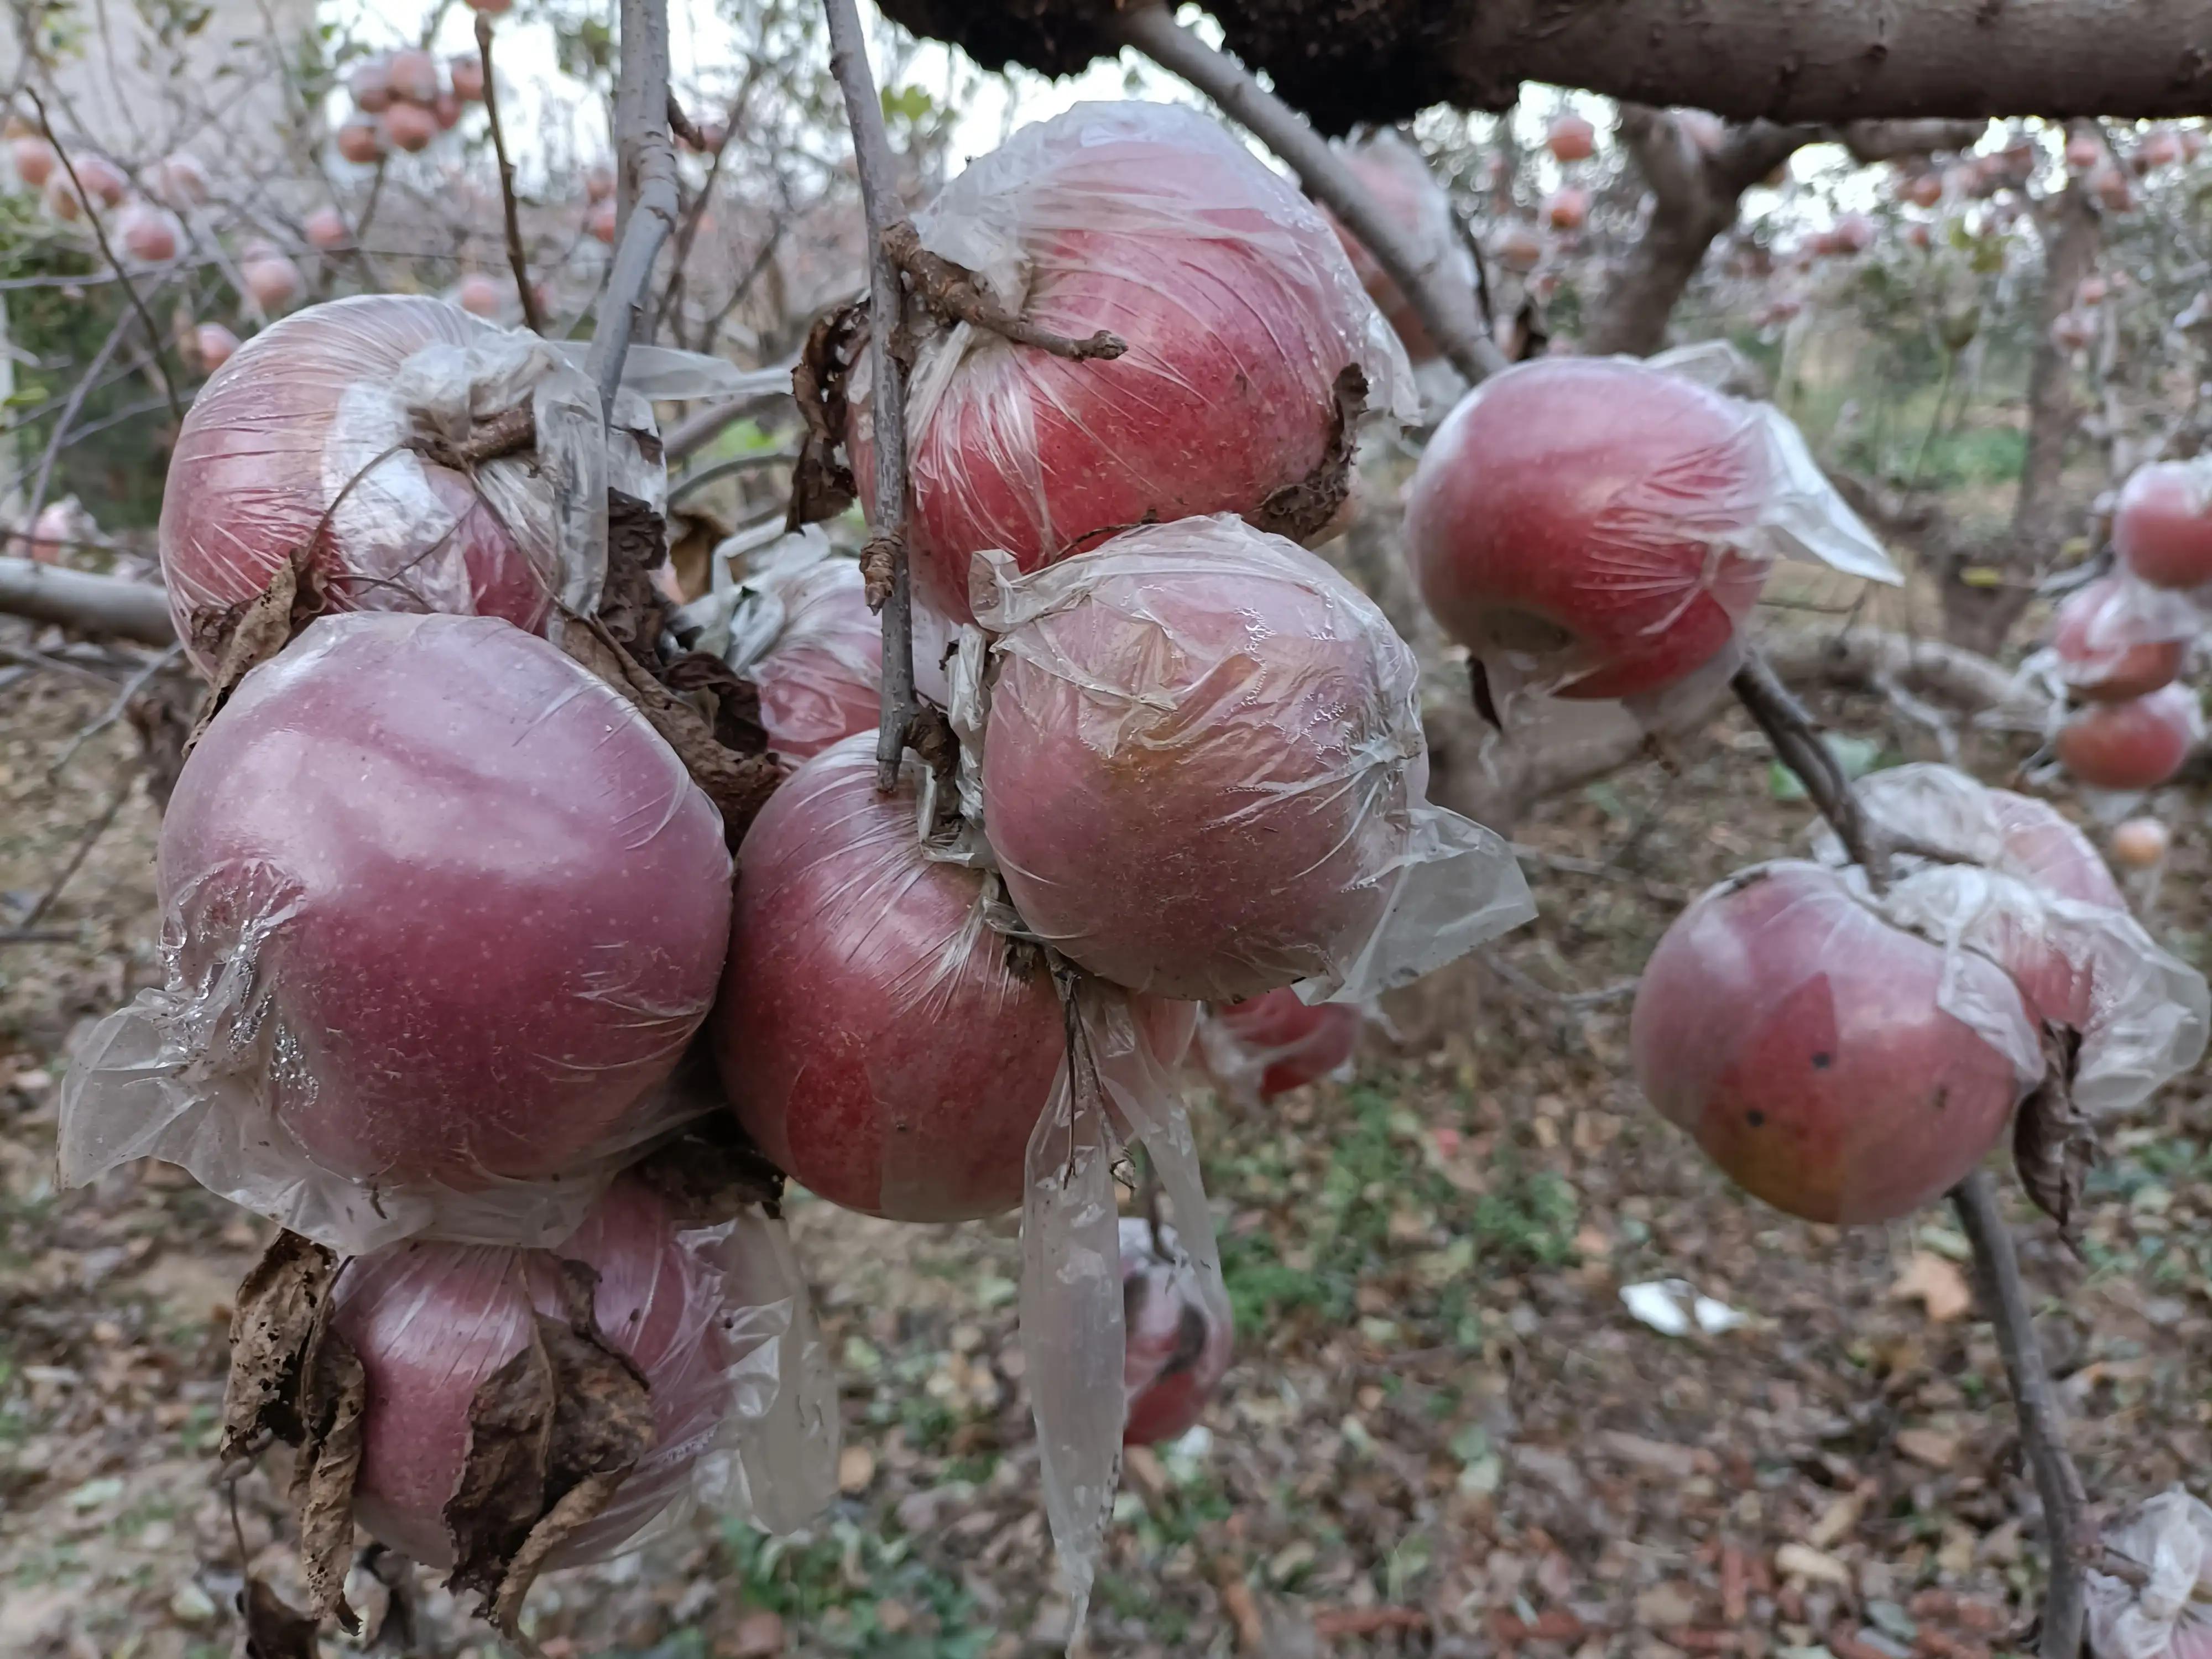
[(2042, 1424), (1798, 744), (531, 319), (886, 551), (1153, 31)]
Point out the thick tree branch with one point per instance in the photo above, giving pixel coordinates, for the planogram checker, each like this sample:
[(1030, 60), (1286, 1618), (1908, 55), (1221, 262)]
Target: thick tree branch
[(885, 558), (1153, 31), (646, 191), (87, 604), (531, 319)]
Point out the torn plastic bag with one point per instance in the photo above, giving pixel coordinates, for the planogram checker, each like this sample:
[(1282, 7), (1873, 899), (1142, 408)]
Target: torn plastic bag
[(307, 441), (713, 1319), (1240, 312), (1114, 1090), (441, 912), (798, 627), (1601, 528), (2170, 1617), (1257, 1050), (1203, 773)]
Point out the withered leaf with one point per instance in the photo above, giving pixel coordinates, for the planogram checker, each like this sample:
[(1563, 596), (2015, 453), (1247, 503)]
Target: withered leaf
[(633, 610), (739, 785), (283, 1307), (820, 484), (274, 1631), (712, 1172), (552, 1435), (2053, 1143), (1301, 509), (333, 1393), (735, 699), (241, 637)]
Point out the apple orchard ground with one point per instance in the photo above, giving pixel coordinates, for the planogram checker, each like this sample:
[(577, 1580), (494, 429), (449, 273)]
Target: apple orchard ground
[(1444, 1434)]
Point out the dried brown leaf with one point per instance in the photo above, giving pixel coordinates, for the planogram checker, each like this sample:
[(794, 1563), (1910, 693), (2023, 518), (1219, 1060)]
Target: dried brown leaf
[(1301, 510), (2053, 1143), (820, 484), (631, 608), (734, 699), (712, 1172), (1936, 1285), (282, 1309), (334, 1393), (500, 1493), (274, 1631), (241, 637)]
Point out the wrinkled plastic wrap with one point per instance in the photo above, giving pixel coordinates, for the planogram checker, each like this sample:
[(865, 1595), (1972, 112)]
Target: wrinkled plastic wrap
[(1402, 185), (1839, 1066), (1202, 772), (2117, 638), (715, 1318), (1257, 1050), (1600, 527), (1117, 1092), (300, 442), (2170, 1617), (2133, 745), (441, 912), (1179, 1331), (2019, 886), (1237, 303), (799, 628)]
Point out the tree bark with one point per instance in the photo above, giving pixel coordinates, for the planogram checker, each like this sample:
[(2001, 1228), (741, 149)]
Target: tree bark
[(87, 603), (1343, 62), (1979, 615)]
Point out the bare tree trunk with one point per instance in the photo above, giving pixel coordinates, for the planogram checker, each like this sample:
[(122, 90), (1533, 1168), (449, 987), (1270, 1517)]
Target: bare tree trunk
[(1979, 614)]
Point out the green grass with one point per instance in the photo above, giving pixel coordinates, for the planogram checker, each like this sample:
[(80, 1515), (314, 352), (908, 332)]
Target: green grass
[(810, 1584)]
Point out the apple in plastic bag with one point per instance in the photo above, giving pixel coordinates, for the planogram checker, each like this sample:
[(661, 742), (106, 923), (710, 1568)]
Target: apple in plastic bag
[(2101, 656), (296, 415), (884, 1046), (431, 1322), (1585, 517), (482, 903), (1292, 1043), (1177, 1347), (2137, 745), (1238, 308), (2162, 528), (1799, 1037)]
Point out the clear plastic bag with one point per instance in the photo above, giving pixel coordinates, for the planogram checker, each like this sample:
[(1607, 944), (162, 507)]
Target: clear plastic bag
[(301, 441), (1203, 773), (1179, 1332), (799, 628), (2170, 1617), (441, 912), (1600, 527), (1837, 1066), (2162, 526), (2117, 637), (1237, 303), (715, 1318), (1402, 186), (2019, 886), (1257, 1050)]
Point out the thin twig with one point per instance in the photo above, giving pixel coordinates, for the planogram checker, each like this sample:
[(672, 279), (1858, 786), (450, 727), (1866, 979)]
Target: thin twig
[(155, 340), (85, 844), (113, 712), (2042, 1427), (531, 319), (692, 482), (1536, 991), (1152, 30), (886, 554), (646, 190)]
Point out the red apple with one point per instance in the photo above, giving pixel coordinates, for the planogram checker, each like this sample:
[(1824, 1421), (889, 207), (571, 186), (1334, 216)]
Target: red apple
[(2158, 149), (270, 443), (2043, 847), (1581, 518), (821, 680), (179, 180), (1234, 300), (2071, 331), (2091, 291), (460, 975), (413, 74), (272, 280), (1277, 1042), (2083, 152), (148, 232), (2162, 528), (1567, 208), (101, 178), (1570, 138), (1853, 233), (2013, 834), (214, 343), (1799, 1037), (2113, 192), (360, 141), (1178, 1340), (467, 73), (408, 126), (2140, 843), (490, 8), (370, 83), (326, 230), (2131, 745), (1921, 190), (33, 159), (1519, 249), (432, 1322), (2103, 654), (480, 295), (445, 110), (1201, 749), (884, 1047)]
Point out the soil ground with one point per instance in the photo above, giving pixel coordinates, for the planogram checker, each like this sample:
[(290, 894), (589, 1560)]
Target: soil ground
[(1445, 1433)]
